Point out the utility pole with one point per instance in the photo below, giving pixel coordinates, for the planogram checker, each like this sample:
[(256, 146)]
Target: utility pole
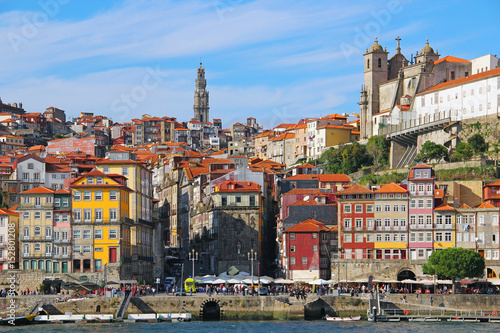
[(252, 256)]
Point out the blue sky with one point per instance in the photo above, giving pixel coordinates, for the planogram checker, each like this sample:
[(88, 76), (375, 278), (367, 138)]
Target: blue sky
[(277, 61)]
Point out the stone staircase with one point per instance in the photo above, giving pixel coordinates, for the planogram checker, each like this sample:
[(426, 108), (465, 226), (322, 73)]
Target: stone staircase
[(123, 306)]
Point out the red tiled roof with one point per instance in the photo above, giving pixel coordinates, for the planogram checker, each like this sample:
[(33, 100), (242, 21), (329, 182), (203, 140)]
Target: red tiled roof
[(497, 183), (463, 80), (237, 186), (336, 177), (4, 211), (301, 191), (356, 189), (451, 59), (40, 189), (486, 205), (308, 226), (444, 207), (391, 188)]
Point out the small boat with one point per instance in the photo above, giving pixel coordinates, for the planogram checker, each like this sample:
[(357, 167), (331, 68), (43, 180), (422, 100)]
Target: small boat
[(17, 321), (351, 318)]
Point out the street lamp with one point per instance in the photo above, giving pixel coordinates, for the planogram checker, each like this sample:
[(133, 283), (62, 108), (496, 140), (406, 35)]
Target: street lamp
[(193, 255), (252, 255)]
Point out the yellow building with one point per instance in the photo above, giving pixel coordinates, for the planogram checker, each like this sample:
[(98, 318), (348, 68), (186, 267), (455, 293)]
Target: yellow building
[(139, 180), (101, 225), (444, 227)]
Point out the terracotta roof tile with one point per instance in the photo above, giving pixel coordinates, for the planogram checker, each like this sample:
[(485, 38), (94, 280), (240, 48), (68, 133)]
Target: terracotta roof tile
[(308, 226), (391, 188)]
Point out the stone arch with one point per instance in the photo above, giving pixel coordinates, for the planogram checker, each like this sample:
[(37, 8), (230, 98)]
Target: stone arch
[(211, 310), (98, 308), (406, 273)]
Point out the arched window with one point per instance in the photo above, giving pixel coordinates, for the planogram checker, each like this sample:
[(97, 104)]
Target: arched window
[(379, 62), (368, 63)]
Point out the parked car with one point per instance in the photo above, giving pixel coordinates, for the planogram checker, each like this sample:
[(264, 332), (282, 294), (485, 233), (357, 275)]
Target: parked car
[(263, 291)]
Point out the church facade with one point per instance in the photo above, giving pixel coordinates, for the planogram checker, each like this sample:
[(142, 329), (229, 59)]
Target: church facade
[(399, 100)]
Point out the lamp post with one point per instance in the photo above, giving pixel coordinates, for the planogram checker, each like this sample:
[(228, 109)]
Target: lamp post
[(252, 255), (193, 255)]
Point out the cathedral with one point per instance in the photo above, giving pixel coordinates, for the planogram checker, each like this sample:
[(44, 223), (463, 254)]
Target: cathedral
[(200, 106), (392, 101)]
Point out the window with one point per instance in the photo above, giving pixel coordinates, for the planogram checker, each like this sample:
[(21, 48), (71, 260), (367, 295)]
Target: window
[(26, 200), (459, 236), (77, 234), (429, 203), (412, 219), (38, 247), (369, 208), (238, 199), (292, 260), (77, 248), (412, 203), (48, 232), (112, 195), (26, 176), (347, 238), (314, 235), (347, 208), (98, 214), (402, 237), (64, 235), (252, 200), (403, 222), (292, 248), (38, 215), (48, 215), (369, 238), (429, 219), (38, 231), (395, 237), (387, 237), (395, 208), (359, 208), (77, 195), (369, 223), (428, 237), (395, 222), (99, 180), (26, 232), (439, 237), (359, 223), (98, 195), (420, 189), (347, 223), (421, 219), (412, 237), (315, 248), (420, 236), (387, 208), (447, 236), (48, 249), (403, 208), (378, 237), (30, 166), (378, 222), (387, 222), (359, 238), (86, 234), (378, 208), (292, 236), (26, 215), (87, 214), (87, 195), (98, 234), (113, 234), (113, 214), (420, 203), (86, 249)]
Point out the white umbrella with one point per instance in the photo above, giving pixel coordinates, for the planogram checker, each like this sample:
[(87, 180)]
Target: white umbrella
[(264, 281), (219, 281), (444, 281), (283, 281), (268, 278), (207, 281), (320, 282), (233, 281), (409, 281), (426, 282), (249, 280)]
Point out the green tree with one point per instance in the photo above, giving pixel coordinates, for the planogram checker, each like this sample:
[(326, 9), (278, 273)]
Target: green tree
[(346, 158), (431, 151), (477, 143), (463, 152), (378, 148), (455, 263)]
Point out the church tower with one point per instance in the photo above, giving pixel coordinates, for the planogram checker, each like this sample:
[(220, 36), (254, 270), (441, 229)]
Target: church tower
[(200, 106), (376, 72)]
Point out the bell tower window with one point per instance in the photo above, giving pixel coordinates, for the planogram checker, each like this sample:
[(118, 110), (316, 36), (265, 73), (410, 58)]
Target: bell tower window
[(368, 63), (379, 62)]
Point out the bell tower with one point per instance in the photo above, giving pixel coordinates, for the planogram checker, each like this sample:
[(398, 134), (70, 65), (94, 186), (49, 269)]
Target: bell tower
[(376, 72), (200, 106)]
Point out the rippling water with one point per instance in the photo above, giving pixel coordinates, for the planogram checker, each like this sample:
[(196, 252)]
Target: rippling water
[(261, 326)]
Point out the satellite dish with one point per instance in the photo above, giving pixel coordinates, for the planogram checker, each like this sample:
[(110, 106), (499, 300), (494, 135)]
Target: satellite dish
[(306, 198)]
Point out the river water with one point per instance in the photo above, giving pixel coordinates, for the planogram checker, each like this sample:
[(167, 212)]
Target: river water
[(261, 326)]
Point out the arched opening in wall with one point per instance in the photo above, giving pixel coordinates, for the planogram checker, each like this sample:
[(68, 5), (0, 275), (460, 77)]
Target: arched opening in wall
[(98, 308), (379, 62), (490, 273), (405, 275), (210, 310), (368, 63)]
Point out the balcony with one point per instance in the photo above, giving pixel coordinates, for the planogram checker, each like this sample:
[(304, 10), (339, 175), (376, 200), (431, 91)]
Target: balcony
[(61, 241), (36, 255), (60, 256)]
